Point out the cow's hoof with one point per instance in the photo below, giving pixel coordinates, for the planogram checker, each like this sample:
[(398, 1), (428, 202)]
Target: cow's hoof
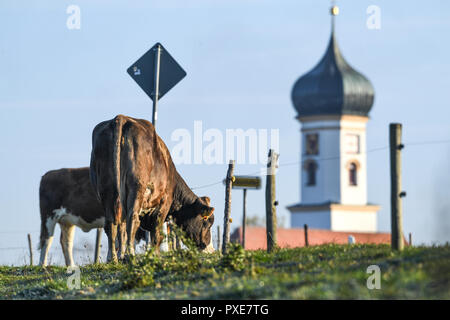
[(112, 261), (126, 259), (123, 260)]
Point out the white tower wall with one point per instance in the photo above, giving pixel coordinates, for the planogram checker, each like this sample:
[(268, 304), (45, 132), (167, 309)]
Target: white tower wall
[(327, 187), (333, 202), (351, 131)]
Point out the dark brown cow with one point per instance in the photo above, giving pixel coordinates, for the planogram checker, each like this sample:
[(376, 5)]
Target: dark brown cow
[(66, 197), (133, 174)]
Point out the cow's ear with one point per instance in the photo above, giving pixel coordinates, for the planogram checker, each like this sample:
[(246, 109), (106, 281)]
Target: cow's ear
[(206, 200), (208, 221), (207, 212), (201, 208)]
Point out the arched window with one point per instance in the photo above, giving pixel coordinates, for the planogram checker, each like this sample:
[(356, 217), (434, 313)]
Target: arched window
[(353, 174), (311, 169)]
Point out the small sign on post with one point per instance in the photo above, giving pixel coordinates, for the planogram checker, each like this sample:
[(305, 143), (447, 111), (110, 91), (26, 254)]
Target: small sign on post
[(156, 72), (245, 183)]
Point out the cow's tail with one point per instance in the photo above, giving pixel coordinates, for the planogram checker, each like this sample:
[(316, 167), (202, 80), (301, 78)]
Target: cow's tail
[(43, 207), (117, 136)]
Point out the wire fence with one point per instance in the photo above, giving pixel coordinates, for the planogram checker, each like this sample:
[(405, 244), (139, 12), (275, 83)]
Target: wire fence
[(287, 164), (18, 232)]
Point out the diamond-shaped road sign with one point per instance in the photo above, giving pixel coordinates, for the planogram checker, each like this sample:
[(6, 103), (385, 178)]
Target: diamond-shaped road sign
[(143, 70)]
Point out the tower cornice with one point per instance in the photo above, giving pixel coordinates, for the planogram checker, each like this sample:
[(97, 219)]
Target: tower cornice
[(333, 117)]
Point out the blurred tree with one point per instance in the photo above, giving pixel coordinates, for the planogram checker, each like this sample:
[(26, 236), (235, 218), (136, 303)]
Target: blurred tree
[(256, 221), (259, 221)]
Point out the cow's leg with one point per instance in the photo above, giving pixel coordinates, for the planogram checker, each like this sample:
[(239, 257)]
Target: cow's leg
[(156, 230), (122, 239), (159, 234), (111, 232), (133, 223), (47, 241), (133, 205), (156, 233), (119, 241), (67, 234)]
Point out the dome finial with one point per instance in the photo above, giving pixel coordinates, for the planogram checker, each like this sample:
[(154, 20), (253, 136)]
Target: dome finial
[(334, 11)]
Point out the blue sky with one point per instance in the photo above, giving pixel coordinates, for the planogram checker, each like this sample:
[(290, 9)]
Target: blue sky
[(241, 59)]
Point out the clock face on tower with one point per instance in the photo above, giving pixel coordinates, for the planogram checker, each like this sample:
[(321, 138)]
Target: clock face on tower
[(312, 143), (352, 143)]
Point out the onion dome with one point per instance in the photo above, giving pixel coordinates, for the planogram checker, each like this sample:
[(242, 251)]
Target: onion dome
[(333, 87)]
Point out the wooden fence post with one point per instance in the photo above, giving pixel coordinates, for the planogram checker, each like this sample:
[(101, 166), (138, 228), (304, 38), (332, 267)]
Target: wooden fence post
[(178, 243), (395, 136), (306, 235), (98, 243), (226, 216), (31, 249), (244, 217), (271, 211), (174, 237), (218, 238), (147, 240), (165, 242), (178, 237), (169, 243)]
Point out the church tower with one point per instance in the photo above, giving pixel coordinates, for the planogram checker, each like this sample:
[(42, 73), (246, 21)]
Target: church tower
[(333, 101)]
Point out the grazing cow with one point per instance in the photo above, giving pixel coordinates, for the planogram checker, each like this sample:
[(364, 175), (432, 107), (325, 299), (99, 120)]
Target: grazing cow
[(146, 224), (133, 174), (66, 197)]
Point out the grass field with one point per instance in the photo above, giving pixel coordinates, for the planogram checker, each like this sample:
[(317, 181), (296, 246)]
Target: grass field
[(318, 272)]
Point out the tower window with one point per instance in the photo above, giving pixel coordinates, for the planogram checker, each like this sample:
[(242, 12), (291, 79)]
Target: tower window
[(312, 144), (353, 174), (311, 169)]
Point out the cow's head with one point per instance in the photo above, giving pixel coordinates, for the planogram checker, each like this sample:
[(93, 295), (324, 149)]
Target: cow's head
[(196, 220)]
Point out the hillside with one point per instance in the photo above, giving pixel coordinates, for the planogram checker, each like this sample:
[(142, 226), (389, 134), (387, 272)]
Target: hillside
[(318, 272)]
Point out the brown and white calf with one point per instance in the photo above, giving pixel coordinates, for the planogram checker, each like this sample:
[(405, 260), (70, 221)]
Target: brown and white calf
[(66, 197)]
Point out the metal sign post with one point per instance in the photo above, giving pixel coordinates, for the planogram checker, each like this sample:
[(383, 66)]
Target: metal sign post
[(156, 86), (154, 118), (245, 183), (156, 72)]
